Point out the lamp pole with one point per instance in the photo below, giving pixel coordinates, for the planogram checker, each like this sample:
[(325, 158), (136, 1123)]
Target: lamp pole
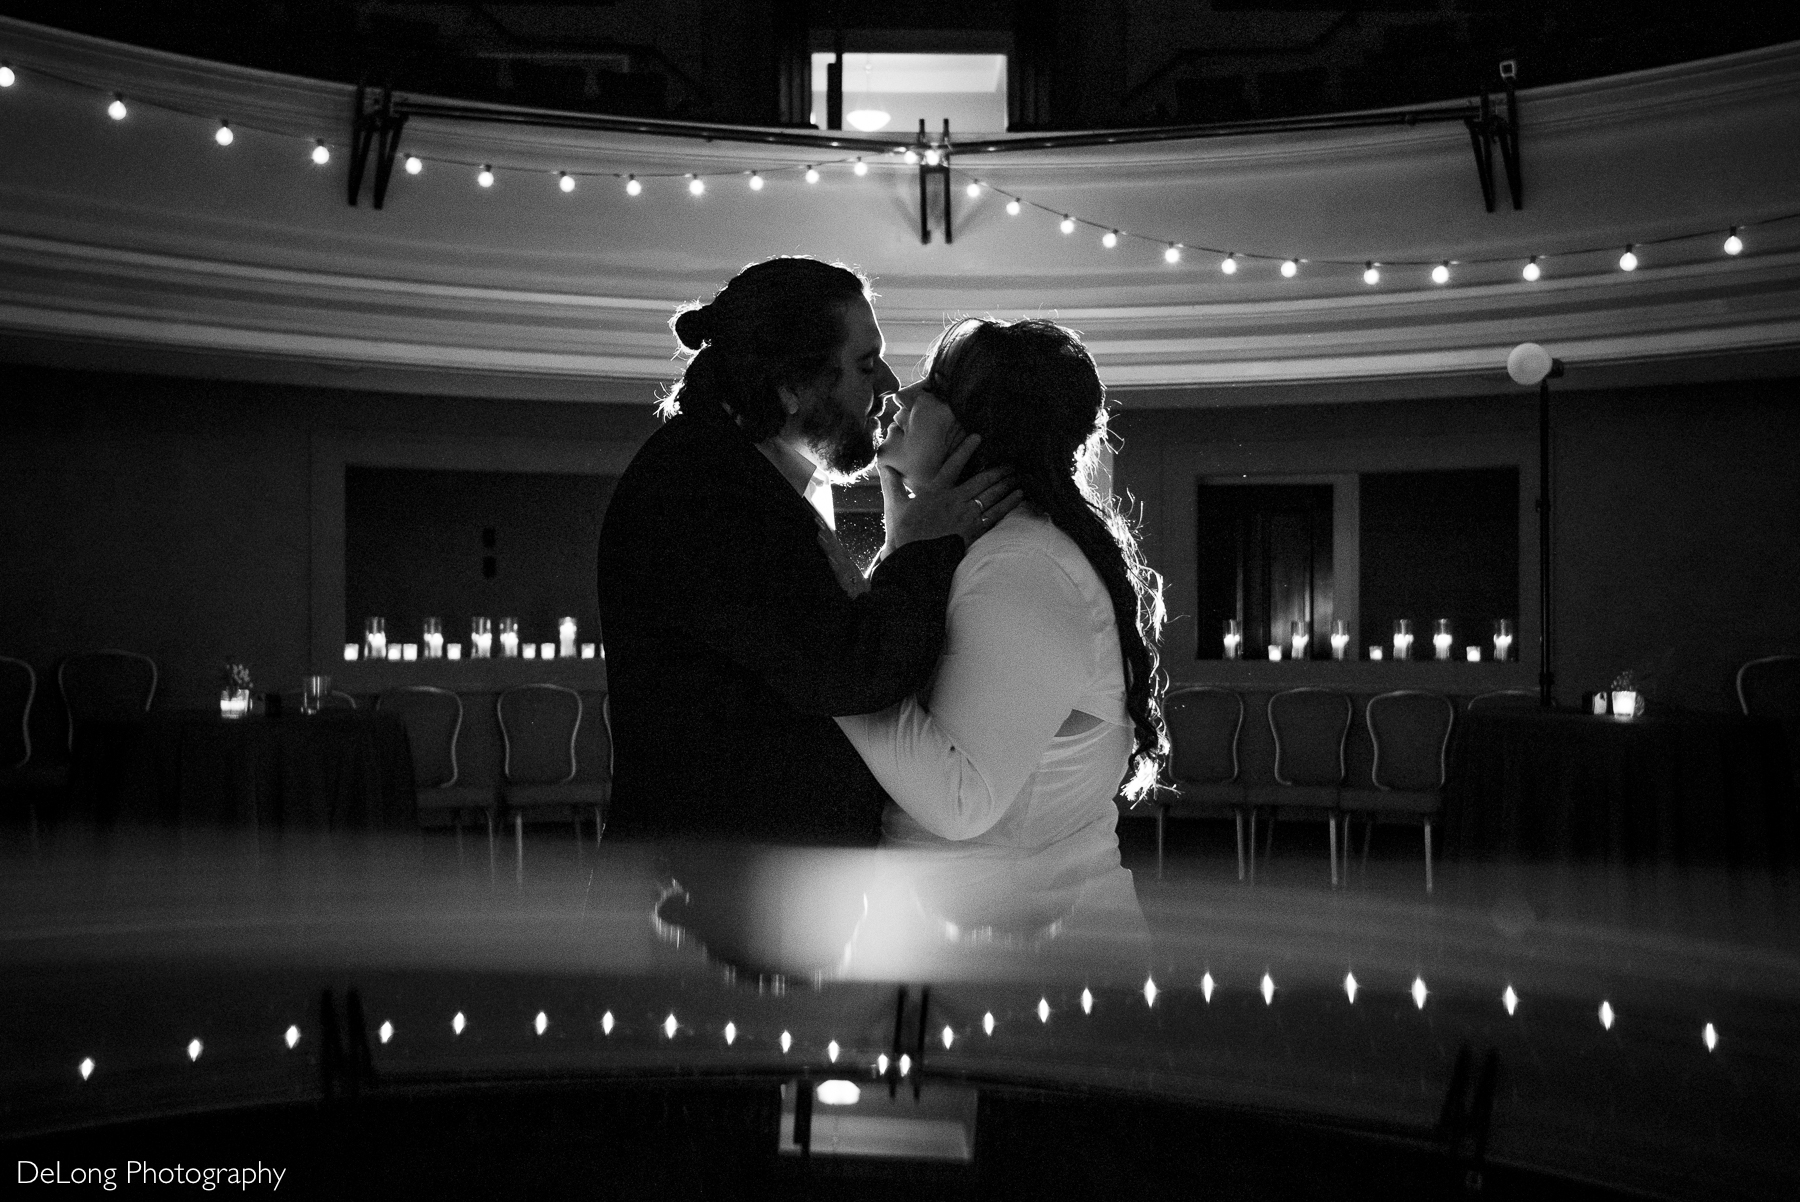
[(1530, 364)]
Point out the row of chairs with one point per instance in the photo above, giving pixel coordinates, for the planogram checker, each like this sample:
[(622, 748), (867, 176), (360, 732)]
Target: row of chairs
[(1410, 731), (539, 724)]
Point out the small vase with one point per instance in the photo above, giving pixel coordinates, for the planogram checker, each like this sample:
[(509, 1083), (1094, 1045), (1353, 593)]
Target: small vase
[(234, 703)]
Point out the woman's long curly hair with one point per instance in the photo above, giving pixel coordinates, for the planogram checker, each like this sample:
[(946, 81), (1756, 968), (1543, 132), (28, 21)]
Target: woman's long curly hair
[(1030, 389), (777, 324)]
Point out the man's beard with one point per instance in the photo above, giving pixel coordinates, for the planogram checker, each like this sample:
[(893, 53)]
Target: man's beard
[(843, 445)]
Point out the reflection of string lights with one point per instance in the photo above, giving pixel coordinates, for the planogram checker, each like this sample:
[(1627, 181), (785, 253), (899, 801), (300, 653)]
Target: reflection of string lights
[(1439, 271)]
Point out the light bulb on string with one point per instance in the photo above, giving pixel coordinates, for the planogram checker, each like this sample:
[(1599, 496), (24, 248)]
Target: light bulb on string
[(116, 110), (861, 168), (1371, 274), (1734, 245), (632, 187), (932, 157), (696, 185), (1228, 264), (911, 158), (565, 181), (321, 153), (1013, 208), (1109, 239), (1068, 224), (973, 191), (1172, 255), (485, 177), (1531, 271), (1629, 260), (223, 135), (756, 182), (1289, 268), (812, 175), (7, 78), (414, 165), (1441, 274)]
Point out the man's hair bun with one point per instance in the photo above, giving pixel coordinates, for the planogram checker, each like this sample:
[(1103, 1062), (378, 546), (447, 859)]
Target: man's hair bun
[(694, 327)]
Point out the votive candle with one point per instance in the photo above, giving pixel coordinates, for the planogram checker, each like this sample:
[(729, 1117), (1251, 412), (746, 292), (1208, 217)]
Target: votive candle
[(509, 638), (1298, 638), (351, 651), (1474, 653), (530, 648), (1375, 651), (1234, 639), (481, 638), (393, 652), (1441, 641), (565, 633), (1340, 639), (434, 638), (453, 650), (409, 652), (1403, 638), (548, 651), (1275, 653), (587, 651)]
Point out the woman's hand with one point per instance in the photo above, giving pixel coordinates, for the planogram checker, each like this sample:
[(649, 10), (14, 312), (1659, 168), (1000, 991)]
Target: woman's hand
[(943, 506)]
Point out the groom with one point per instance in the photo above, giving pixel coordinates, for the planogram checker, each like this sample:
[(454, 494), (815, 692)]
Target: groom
[(733, 630)]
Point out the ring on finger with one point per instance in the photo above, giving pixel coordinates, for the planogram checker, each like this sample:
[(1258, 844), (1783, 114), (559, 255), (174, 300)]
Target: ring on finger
[(978, 504)]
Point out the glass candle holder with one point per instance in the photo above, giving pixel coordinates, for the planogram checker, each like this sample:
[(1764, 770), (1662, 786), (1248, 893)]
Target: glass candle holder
[(1298, 638), (1403, 638), (1274, 653), (481, 638), (409, 651), (434, 638), (1375, 652), (587, 651), (234, 703), (1340, 639), (313, 691), (375, 637), (394, 652), (565, 637), (453, 651), (1625, 703), (1234, 639), (548, 651), (1503, 639), (1473, 651), (1440, 642), (351, 652), (530, 649), (509, 638)]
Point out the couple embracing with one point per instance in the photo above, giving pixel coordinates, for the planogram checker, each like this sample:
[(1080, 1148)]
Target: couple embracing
[(985, 692)]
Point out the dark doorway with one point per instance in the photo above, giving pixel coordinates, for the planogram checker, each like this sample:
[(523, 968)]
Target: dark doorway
[(1264, 558)]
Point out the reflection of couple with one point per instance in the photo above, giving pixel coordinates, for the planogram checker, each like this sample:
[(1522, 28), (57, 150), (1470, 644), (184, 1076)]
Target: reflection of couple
[(976, 686)]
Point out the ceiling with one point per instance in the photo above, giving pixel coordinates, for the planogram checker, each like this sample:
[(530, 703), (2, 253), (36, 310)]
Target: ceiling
[(1092, 63)]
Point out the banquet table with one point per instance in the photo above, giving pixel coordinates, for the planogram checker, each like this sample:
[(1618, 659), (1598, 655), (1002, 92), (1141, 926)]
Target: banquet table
[(1679, 787), (335, 770)]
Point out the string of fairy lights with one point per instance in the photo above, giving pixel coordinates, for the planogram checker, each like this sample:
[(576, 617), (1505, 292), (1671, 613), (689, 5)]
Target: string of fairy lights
[(671, 1028), (1731, 239)]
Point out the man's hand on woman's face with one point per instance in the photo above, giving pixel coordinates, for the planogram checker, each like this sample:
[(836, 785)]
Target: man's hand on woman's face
[(939, 505)]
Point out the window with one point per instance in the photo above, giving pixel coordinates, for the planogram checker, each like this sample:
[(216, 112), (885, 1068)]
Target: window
[(1265, 559)]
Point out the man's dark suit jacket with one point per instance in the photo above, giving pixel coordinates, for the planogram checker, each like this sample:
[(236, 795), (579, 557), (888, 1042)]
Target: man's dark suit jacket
[(730, 644)]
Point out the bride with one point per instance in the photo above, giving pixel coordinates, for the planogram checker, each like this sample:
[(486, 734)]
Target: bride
[(1044, 707)]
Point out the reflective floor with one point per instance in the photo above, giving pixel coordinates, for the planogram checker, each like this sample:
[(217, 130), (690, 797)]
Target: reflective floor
[(1645, 1024)]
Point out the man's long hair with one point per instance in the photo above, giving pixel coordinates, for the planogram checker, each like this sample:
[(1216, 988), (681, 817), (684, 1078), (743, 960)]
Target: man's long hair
[(777, 324)]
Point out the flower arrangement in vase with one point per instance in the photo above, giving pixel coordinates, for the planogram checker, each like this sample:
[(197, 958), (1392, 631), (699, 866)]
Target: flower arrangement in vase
[(234, 698)]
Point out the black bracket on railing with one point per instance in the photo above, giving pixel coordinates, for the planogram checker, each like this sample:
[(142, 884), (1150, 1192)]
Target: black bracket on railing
[(934, 163), (920, 1019), (374, 127), (1492, 126), (1462, 1126), (344, 1058)]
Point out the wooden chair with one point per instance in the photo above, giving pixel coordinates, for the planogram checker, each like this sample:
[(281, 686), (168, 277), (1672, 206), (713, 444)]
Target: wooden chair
[(100, 686), (23, 775), (1204, 724), (433, 719), (1411, 733), (538, 725), (1770, 688), (1310, 727)]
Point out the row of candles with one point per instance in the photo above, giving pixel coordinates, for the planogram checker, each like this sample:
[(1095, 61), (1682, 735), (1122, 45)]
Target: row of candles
[(1442, 641), (375, 644)]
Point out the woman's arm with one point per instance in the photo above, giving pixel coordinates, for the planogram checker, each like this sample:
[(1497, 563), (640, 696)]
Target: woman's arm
[(1015, 662)]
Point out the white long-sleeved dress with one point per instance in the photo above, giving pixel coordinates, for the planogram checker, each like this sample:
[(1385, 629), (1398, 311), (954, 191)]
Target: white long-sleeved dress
[(1024, 817)]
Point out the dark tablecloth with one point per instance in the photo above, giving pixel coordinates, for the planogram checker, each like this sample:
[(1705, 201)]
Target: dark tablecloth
[(1675, 787), (335, 770)]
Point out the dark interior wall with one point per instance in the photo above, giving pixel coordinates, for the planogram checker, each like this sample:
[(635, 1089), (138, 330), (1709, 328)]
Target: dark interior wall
[(173, 516), (1677, 532)]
